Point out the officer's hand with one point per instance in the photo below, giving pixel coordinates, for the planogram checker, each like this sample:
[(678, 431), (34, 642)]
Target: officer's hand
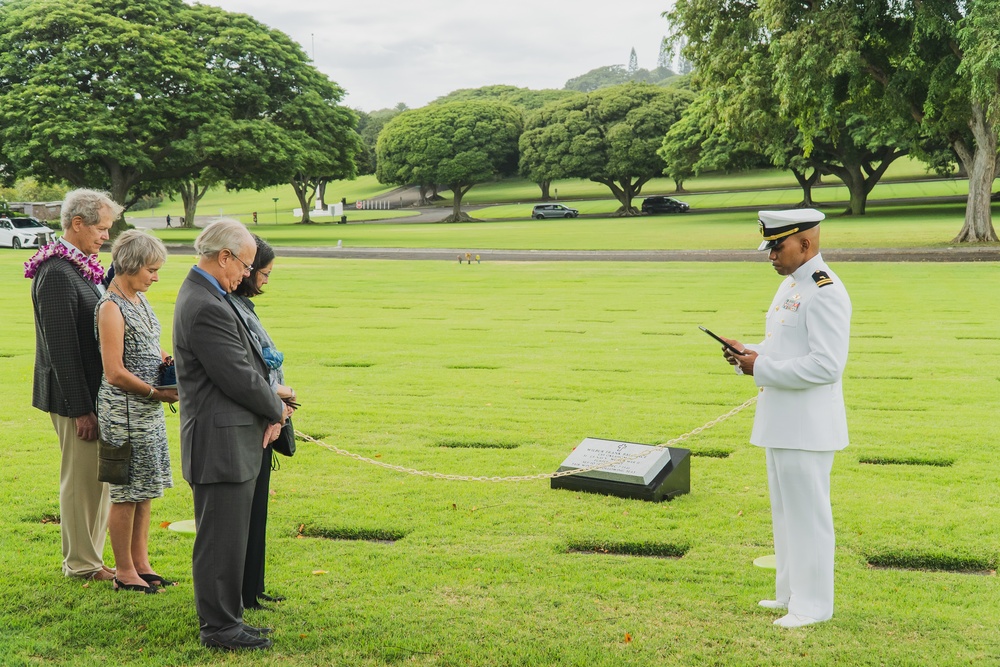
[(730, 357), (744, 361)]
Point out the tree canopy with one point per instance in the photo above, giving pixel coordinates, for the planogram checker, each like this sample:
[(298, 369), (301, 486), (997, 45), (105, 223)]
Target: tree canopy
[(610, 136), (457, 144), (522, 98), (787, 77), (846, 87), (137, 96)]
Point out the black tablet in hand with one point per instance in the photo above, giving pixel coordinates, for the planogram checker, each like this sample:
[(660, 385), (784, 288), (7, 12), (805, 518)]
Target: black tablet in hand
[(724, 343)]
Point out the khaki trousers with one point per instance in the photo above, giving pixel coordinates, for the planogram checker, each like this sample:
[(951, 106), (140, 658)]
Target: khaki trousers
[(83, 502)]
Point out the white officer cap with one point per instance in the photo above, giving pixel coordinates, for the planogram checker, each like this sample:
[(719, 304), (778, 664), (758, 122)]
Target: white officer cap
[(775, 226)]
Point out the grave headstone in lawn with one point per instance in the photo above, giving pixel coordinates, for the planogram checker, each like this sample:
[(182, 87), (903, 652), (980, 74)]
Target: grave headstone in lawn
[(656, 473)]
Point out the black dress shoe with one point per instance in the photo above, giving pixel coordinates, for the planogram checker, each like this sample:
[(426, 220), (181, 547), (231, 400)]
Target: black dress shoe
[(258, 607), (257, 632), (271, 598), (244, 641)]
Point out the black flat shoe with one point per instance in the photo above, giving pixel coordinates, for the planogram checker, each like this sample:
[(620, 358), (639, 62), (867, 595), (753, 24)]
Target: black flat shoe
[(154, 579), (257, 607), (271, 598), (119, 586)]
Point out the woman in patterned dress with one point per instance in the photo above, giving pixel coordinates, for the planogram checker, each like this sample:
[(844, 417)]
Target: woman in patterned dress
[(129, 406)]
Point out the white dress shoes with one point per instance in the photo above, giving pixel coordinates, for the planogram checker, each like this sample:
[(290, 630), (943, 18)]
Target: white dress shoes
[(795, 621), (773, 604)]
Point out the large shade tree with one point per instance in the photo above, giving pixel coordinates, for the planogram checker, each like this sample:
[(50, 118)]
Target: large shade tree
[(786, 76), (525, 99), (610, 136), (951, 79), (860, 83), (140, 96), (457, 144)]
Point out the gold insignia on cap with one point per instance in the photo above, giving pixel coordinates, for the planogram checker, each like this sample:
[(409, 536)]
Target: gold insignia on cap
[(787, 232)]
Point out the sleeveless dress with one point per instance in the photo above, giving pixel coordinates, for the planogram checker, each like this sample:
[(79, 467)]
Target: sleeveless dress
[(136, 417)]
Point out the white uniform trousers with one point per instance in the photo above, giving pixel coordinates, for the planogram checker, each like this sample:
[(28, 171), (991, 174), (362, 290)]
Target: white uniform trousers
[(799, 483)]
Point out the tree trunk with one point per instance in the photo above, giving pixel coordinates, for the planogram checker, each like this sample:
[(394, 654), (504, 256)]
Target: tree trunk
[(305, 190), (120, 185), (544, 185), (624, 190), (191, 194), (321, 193), (679, 185), (458, 192), (982, 167), (423, 195), (806, 183), (855, 166)]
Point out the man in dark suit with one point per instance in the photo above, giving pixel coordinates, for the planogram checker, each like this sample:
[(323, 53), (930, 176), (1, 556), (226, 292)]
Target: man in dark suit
[(64, 292), (227, 412)]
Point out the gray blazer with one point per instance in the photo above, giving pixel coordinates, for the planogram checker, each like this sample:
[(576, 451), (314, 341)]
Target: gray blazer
[(225, 399), (67, 360)]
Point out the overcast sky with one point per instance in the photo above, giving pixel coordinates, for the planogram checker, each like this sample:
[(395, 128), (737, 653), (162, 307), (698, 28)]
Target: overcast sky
[(383, 52)]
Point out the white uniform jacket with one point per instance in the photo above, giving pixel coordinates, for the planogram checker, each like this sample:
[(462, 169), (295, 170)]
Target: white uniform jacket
[(801, 363)]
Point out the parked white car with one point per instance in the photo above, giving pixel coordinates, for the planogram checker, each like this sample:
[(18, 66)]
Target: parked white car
[(24, 233)]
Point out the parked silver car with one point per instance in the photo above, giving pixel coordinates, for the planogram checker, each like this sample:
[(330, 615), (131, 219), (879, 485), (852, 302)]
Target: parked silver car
[(24, 233), (553, 211)]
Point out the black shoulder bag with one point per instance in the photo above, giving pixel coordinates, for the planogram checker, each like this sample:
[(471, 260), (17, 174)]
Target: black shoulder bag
[(113, 462)]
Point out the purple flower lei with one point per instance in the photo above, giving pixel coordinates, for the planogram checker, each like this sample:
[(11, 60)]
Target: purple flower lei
[(88, 266)]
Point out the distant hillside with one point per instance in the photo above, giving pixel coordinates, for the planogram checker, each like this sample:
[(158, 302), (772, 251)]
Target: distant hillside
[(613, 75), (524, 98)]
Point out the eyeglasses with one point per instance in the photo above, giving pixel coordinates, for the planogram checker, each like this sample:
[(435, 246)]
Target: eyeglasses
[(247, 268)]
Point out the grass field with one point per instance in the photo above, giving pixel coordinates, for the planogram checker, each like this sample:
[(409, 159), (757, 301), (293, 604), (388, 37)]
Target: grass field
[(501, 369), (242, 204), (911, 226), (833, 199)]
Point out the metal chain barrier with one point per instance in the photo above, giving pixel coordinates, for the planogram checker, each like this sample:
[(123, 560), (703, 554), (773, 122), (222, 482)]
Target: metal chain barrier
[(524, 478)]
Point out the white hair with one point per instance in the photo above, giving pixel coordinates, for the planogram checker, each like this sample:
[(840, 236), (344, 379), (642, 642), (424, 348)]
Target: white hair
[(87, 205), (223, 234)]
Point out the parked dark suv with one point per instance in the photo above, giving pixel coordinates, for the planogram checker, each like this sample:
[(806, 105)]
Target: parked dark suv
[(553, 211), (663, 205)]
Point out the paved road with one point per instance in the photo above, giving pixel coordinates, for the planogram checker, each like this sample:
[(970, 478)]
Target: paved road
[(984, 254)]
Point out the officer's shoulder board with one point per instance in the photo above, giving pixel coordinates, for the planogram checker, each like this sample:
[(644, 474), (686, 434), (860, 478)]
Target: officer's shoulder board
[(822, 279)]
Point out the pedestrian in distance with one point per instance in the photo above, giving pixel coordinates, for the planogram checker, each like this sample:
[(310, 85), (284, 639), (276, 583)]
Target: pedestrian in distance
[(800, 420), (168, 219)]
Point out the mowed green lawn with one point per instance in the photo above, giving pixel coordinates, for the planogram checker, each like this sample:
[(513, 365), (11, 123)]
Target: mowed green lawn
[(501, 369), (910, 226)]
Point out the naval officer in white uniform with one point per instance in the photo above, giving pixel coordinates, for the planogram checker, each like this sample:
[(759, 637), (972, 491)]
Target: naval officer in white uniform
[(800, 418)]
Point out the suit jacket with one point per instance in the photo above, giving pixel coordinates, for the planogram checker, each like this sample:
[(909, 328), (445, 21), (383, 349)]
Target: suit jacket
[(801, 363), (226, 401), (67, 360)]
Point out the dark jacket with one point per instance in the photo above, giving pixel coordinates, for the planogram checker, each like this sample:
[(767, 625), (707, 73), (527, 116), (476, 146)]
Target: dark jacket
[(226, 401), (67, 360)]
